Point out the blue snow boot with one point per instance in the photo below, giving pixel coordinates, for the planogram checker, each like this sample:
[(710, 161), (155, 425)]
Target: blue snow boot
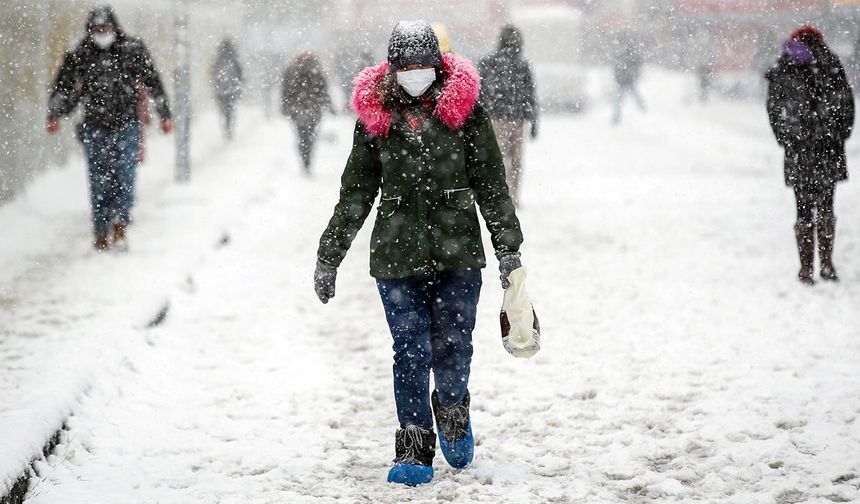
[(414, 449), (455, 431)]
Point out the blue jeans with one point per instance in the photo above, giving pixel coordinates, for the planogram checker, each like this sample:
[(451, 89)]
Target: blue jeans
[(431, 318), (112, 158)]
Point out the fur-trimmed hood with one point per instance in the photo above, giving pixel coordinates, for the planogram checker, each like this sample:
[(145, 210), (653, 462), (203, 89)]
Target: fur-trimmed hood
[(454, 106)]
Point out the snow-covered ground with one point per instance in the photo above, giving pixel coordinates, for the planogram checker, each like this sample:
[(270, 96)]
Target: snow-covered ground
[(682, 360)]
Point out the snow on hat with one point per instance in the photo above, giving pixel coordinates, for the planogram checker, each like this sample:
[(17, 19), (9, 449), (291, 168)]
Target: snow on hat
[(101, 16), (798, 52), (413, 43), (807, 32)]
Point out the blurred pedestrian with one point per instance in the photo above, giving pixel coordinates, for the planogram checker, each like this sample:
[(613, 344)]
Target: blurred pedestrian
[(703, 57), (811, 109), (628, 70), (103, 74), (227, 83), (508, 93), (305, 97), (423, 139)]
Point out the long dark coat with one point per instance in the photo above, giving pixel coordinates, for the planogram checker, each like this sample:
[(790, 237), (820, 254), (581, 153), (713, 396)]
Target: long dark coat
[(811, 112), (507, 83), (304, 93), (105, 82), (227, 74)]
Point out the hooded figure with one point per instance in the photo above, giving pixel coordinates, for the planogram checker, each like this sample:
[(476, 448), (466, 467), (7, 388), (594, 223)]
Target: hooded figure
[(304, 99), (508, 93), (811, 109), (105, 74), (423, 141), (227, 82)]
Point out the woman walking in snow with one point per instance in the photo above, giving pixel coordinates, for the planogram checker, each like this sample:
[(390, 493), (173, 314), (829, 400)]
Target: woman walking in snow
[(811, 111), (425, 142)]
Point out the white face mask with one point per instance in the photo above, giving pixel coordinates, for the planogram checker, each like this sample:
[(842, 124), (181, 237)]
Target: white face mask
[(104, 40), (416, 82)]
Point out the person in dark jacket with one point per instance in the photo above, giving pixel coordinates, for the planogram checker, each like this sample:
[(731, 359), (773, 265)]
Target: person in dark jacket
[(104, 75), (628, 70), (811, 109), (508, 94), (304, 99), (425, 142), (227, 83)]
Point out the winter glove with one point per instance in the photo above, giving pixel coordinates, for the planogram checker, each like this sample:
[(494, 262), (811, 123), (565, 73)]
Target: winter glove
[(534, 131), (508, 262), (324, 279)]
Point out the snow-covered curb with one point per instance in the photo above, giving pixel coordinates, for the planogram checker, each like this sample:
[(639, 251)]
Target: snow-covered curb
[(66, 312)]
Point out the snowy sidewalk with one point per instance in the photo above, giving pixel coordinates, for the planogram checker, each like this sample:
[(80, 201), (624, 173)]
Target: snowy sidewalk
[(66, 311), (682, 360)]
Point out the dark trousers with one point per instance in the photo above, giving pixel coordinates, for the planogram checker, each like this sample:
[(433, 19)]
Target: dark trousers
[(228, 110), (814, 200), (112, 157), (431, 320), (306, 131)]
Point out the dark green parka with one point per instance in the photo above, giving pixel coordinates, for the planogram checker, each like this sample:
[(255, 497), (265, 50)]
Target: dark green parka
[(430, 180)]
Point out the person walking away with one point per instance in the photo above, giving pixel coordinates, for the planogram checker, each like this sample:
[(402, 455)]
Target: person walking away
[(508, 94), (102, 75), (227, 83), (305, 97), (703, 55), (426, 143), (628, 69), (810, 105)]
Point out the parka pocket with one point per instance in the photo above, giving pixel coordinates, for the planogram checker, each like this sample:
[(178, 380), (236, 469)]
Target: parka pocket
[(388, 205), (460, 199)]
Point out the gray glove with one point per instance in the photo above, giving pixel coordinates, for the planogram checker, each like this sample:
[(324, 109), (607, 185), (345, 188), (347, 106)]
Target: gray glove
[(508, 261), (324, 279)]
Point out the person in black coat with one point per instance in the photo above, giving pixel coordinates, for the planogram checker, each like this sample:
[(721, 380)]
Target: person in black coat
[(106, 74), (227, 81), (508, 96), (811, 109)]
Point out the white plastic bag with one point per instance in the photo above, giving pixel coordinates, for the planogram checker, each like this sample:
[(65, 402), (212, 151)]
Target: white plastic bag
[(520, 326)]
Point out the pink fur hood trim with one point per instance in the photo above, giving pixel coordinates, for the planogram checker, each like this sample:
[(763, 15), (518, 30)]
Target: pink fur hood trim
[(453, 107)]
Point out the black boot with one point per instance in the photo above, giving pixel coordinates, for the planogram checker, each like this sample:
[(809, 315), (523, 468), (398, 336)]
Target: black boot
[(826, 232), (414, 449), (455, 431), (805, 234)]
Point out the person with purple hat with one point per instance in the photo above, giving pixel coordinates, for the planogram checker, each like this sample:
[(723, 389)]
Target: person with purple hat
[(810, 105)]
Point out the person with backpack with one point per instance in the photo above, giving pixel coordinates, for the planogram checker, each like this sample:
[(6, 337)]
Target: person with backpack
[(810, 105), (104, 75), (423, 140)]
